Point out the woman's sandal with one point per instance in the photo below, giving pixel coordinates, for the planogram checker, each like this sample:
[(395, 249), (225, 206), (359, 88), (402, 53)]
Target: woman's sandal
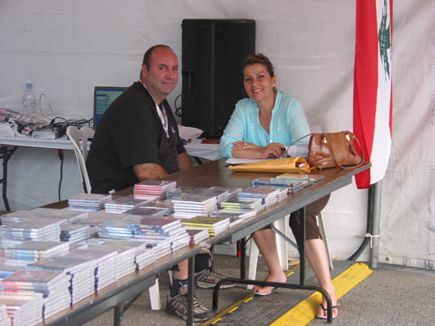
[(265, 293), (325, 310)]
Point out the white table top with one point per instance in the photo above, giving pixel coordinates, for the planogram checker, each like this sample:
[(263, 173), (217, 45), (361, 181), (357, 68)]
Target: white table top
[(206, 151)]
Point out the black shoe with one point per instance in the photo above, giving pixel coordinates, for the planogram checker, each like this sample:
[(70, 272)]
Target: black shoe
[(208, 278), (177, 305)]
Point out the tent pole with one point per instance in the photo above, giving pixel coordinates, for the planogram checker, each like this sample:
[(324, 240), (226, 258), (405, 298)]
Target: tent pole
[(374, 248)]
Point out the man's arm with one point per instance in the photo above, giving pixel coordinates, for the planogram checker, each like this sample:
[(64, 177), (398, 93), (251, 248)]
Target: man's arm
[(155, 171), (184, 161), (149, 171)]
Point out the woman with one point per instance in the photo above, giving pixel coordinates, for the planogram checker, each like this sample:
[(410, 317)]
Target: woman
[(261, 126)]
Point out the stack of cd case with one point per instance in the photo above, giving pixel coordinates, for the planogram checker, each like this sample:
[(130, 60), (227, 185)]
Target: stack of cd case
[(74, 232), (23, 309), (105, 272), (30, 251), (153, 189), (35, 228), (121, 204), (79, 272), (52, 284), (88, 202), (187, 205)]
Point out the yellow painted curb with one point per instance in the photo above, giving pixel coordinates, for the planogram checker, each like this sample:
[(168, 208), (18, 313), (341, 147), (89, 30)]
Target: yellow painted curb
[(305, 311)]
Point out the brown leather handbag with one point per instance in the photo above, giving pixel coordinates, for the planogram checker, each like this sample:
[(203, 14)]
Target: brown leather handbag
[(335, 149)]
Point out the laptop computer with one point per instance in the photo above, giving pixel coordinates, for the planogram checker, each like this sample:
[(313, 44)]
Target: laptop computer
[(103, 97)]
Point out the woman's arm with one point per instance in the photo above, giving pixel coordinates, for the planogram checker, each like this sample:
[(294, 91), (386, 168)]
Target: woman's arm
[(243, 149)]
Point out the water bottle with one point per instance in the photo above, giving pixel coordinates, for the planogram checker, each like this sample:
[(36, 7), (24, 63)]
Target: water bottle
[(30, 102)]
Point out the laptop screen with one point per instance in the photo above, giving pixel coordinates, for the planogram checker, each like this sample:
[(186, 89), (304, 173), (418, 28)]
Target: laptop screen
[(103, 97)]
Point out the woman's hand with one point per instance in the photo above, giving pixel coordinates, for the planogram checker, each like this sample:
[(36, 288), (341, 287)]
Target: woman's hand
[(273, 150), (243, 149)]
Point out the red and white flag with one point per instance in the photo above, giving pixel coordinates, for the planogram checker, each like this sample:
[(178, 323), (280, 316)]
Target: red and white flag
[(372, 98)]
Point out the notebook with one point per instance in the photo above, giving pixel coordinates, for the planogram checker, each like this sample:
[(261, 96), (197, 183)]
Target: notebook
[(103, 97)]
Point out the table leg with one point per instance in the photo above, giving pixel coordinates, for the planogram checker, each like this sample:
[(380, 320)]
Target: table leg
[(242, 253), (6, 154), (191, 289), (117, 315), (302, 249)]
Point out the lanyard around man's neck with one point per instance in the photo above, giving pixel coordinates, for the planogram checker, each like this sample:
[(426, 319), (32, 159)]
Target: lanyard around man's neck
[(161, 112)]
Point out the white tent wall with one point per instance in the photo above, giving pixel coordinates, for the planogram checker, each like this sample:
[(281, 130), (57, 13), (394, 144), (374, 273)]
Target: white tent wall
[(66, 47)]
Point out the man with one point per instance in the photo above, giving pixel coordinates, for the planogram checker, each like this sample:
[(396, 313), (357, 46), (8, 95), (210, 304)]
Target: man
[(137, 139)]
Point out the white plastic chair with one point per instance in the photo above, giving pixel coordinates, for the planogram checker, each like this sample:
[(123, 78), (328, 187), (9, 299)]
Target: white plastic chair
[(280, 226), (79, 139)]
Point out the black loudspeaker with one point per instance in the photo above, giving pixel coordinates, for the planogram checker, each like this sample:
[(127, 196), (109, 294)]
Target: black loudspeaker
[(212, 55)]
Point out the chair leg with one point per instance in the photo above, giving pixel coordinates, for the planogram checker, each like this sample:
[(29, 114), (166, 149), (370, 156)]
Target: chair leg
[(253, 262), (154, 292), (322, 232), (281, 243)]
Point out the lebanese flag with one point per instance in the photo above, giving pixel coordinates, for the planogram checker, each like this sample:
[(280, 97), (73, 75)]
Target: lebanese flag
[(372, 98)]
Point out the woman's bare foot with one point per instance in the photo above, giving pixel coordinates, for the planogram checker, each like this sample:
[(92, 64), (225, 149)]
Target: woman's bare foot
[(266, 290), (322, 311)]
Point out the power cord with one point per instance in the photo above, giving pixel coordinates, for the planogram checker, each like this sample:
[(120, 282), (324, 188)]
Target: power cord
[(60, 155), (69, 122), (178, 109), (61, 124), (41, 97)]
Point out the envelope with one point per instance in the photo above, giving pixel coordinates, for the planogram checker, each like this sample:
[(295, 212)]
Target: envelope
[(296, 164)]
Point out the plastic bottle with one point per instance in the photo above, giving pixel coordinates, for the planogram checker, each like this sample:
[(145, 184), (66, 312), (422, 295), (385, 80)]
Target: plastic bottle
[(30, 102)]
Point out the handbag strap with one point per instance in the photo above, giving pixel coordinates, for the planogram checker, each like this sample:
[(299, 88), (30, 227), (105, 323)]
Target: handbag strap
[(362, 154), (295, 142)]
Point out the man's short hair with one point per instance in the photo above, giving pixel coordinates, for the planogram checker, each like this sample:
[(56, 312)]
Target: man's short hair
[(147, 56)]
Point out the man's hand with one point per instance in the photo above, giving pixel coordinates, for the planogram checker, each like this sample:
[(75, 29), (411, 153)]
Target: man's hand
[(149, 171)]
